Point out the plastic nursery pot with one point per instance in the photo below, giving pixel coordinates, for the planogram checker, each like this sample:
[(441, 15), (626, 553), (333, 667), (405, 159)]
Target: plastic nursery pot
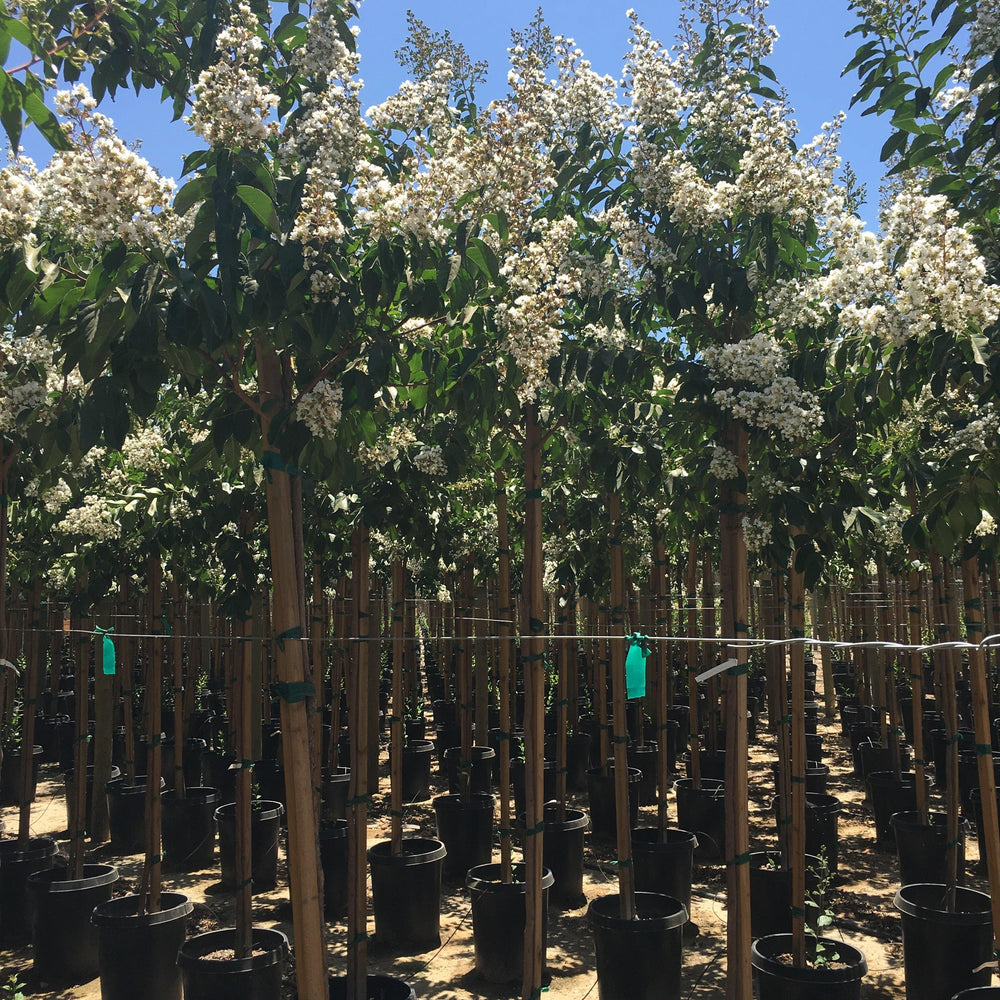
[(498, 921), (890, 794), (941, 947), (189, 828), (138, 954), (69, 784), (265, 826), (923, 849), (336, 781), (562, 854), (771, 893), (11, 775), (979, 993), (479, 769), (601, 797), (836, 976), (638, 959), (16, 864), (406, 893), (417, 758), (644, 756), (664, 864), (711, 762), (257, 977), (127, 814), (703, 812), (333, 858), (465, 827), (62, 936)]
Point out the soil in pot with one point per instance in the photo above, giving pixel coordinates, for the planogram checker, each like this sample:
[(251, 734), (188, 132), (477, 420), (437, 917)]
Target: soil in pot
[(257, 977), (406, 893), (498, 921), (265, 827), (138, 954), (835, 974), (942, 948), (638, 959), (62, 936)]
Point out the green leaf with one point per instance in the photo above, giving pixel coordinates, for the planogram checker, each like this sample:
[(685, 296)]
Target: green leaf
[(260, 205)]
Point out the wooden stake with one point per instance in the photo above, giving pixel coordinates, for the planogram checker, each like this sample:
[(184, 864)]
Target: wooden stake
[(31, 687), (797, 832), (505, 611), (398, 708), (660, 652)]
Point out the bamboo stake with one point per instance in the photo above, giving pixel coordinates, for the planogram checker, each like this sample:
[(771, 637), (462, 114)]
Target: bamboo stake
[(981, 721), (505, 612), (243, 867), (917, 685), (797, 831), (626, 877), (736, 599), (661, 628), (533, 657), (396, 719), (565, 659), (708, 649), (950, 707), (480, 667), (357, 811), (31, 686), (177, 664), (80, 754), (601, 684), (691, 661)]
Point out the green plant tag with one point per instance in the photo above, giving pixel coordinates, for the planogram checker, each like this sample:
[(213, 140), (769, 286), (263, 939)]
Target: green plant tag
[(107, 650), (635, 666)]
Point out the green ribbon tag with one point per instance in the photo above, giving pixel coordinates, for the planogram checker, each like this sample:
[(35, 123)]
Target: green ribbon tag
[(635, 666), (107, 650)]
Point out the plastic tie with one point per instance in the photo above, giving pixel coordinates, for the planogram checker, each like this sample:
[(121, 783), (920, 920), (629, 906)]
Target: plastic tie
[(618, 740), (785, 720), (360, 800), (505, 831), (983, 749), (740, 859), (952, 740), (798, 779), (156, 859), (293, 693), (243, 885), (533, 494), (271, 460), (241, 765), (785, 821), (739, 670), (952, 844), (155, 740), (533, 831), (974, 604), (295, 632)]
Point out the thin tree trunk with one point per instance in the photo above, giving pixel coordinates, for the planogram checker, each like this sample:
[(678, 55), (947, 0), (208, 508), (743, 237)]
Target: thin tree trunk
[(505, 613)]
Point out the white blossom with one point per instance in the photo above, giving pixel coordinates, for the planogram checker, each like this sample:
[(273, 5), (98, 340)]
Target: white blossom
[(723, 464), (321, 408), (430, 461)]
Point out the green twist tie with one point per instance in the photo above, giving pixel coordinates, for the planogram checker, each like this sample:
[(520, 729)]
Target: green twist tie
[(619, 740), (952, 740), (739, 670), (535, 625), (798, 780), (293, 693), (107, 650), (242, 765), (396, 812), (156, 859), (155, 741), (246, 882), (272, 460), (785, 720), (359, 800), (535, 830), (983, 749), (974, 603), (741, 627), (740, 859), (295, 632), (971, 626), (533, 494), (505, 831), (167, 630), (532, 657), (785, 821), (952, 844)]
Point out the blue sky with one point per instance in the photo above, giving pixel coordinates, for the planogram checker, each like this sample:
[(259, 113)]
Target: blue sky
[(808, 59)]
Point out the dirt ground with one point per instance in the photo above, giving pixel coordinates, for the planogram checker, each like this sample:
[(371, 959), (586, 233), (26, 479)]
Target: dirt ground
[(861, 899)]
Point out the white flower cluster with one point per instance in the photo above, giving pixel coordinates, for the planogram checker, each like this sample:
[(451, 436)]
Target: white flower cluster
[(675, 121), (180, 509), (987, 525), (756, 534), (531, 315), (765, 396), (723, 464), (978, 436), (19, 197), (326, 138), (321, 408), (101, 190), (54, 499), (145, 450), (232, 108), (430, 461), (984, 33), (93, 519), (924, 273), (388, 448), (17, 401)]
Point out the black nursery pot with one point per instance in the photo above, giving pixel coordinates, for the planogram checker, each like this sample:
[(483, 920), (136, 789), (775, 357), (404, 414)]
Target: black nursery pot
[(336, 781), (941, 948), (406, 893), (417, 757), (923, 850), (638, 959), (664, 865), (62, 936), (376, 988), (69, 785), (265, 826), (257, 977), (778, 979), (771, 893), (601, 797), (138, 954), (480, 768), (703, 812), (127, 814), (465, 827), (498, 920), (16, 864), (333, 858), (562, 854), (11, 780), (189, 828), (644, 756), (890, 794)]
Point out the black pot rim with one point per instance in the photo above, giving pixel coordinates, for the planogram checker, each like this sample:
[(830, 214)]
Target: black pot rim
[(273, 941), (262, 811), (604, 912), (576, 819), (334, 829), (714, 785), (634, 773), (758, 857), (45, 847), (336, 774), (962, 918), (477, 752), (203, 795), (419, 746), (647, 839), (416, 851), (120, 911), (479, 801), (375, 985), (94, 875), (764, 948), (489, 878), (823, 803)]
